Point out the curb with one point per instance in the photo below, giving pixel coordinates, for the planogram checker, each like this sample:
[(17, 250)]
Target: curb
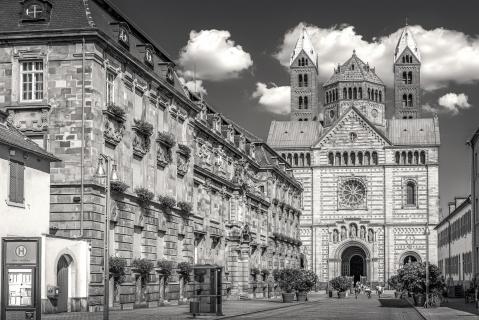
[(265, 310), (417, 310)]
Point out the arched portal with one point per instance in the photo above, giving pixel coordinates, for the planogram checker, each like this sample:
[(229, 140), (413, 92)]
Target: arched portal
[(353, 263), (63, 280)]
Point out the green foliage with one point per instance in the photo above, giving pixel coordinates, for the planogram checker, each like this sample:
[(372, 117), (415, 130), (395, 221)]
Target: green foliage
[(166, 268), (254, 271), (117, 269), (167, 138), (185, 207), (393, 282), (144, 196), (265, 272), (276, 274), (117, 111), (341, 283), (143, 127), (166, 203), (184, 270), (412, 277), (287, 279), (306, 281), (143, 267), (118, 186), (185, 150)]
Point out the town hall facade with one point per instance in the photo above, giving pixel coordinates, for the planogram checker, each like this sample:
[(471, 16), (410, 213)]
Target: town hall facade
[(371, 191)]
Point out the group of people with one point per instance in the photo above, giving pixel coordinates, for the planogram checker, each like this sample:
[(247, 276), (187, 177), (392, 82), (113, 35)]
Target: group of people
[(360, 288)]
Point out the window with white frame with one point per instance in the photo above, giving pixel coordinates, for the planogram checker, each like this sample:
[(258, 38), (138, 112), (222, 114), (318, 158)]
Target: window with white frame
[(16, 182), (32, 80), (110, 87)]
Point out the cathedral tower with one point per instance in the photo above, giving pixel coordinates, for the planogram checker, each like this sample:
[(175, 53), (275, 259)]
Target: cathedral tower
[(407, 71), (303, 68)]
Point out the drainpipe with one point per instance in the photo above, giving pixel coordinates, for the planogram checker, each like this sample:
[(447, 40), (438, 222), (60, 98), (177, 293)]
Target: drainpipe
[(82, 153)]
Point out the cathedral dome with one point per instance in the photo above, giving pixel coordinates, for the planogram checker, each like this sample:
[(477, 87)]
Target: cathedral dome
[(354, 70)]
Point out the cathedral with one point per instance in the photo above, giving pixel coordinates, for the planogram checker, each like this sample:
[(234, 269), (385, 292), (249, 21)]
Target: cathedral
[(371, 189)]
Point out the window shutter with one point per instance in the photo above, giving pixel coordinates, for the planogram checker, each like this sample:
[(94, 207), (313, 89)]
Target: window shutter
[(20, 183), (13, 182)]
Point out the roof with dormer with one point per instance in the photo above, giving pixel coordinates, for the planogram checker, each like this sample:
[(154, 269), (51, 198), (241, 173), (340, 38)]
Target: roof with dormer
[(406, 40), (354, 70), (305, 44), (293, 134)]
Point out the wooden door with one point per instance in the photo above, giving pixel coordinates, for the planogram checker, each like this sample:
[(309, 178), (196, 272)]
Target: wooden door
[(62, 283)]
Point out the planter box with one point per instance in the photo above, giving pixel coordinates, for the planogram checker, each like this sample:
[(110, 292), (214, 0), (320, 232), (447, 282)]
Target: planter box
[(342, 295), (301, 296), (288, 297)]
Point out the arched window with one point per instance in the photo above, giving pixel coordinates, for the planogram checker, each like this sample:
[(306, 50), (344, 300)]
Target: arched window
[(416, 157), (345, 158), (336, 94), (300, 119), (308, 156), (360, 93), (300, 80), (305, 119), (360, 158), (327, 98), (350, 93), (376, 96), (352, 66), (300, 102), (301, 159), (409, 77), (306, 61), (331, 158), (369, 94), (404, 77), (403, 59), (337, 159), (344, 93), (409, 157), (284, 156), (290, 158), (397, 156), (404, 100), (295, 157), (367, 158), (305, 100), (355, 93), (380, 96), (375, 158), (352, 156), (411, 193), (423, 157), (403, 157), (409, 101), (299, 62), (305, 80)]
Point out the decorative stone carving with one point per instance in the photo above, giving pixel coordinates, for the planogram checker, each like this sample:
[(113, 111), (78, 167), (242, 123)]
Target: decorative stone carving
[(352, 194), (113, 129), (141, 145)]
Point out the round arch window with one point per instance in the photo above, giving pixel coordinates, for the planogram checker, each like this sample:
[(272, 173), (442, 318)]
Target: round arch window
[(34, 11), (331, 114), (352, 193), (409, 259)]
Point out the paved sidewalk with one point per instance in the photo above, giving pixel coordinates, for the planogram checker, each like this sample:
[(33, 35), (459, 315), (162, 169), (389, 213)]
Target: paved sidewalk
[(454, 309), (181, 312)]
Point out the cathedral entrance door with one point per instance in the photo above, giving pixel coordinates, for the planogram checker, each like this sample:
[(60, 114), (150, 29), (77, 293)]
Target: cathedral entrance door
[(353, 263)]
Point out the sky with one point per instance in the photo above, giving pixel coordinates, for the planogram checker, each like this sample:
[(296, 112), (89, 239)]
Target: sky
[(238, 52)]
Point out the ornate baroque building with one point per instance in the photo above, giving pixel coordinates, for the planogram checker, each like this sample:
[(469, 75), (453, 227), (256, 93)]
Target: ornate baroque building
[(370, 183), (81, 80)]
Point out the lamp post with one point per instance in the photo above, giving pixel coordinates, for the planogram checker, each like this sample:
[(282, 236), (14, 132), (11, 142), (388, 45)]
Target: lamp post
[(100, 173), (426, 233)]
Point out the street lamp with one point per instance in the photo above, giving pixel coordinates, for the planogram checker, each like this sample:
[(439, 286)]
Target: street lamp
[(101, 173), (426, 233)]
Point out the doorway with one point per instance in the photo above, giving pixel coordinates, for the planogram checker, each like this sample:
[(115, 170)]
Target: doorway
[(353, 263), (63, 277), (356, 267)]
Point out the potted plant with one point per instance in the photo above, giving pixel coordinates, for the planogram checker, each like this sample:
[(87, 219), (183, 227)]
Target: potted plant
[(306, 281), (185, 150), (117, 272), (393, 283), (165, 270), (144, 196), (265, 274), (287, 282), (167, 203), (185, 208), (143, 127), (118, 186), (184, 272), (254, 272), (341, 284)]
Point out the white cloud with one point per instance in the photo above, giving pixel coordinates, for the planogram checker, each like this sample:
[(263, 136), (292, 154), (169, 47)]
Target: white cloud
[(194, 87), (447, 55), (274, 99), (451, 103), (212, 55)]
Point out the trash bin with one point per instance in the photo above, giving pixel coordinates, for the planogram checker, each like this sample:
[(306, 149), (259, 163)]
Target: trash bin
[(194, 307)]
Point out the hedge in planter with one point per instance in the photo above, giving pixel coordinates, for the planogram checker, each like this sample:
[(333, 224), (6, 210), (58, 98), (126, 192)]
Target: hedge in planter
[(412, 277), (118, 186), (265, 273), (185, 208), (117, 269), (167, 203), (166, 269), (254, 272), (287, 281), (143, 267), (306, 281), (144, 195), (341, 284)]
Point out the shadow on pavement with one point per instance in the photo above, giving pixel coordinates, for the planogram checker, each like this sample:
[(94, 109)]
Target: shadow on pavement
[(394, 303)]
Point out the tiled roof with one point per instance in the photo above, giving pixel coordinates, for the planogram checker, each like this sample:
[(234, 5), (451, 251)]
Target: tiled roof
[(354, 70), (304, 44), (65, 14), (406, 40), (413, 131), (10, 136), (290, 134)]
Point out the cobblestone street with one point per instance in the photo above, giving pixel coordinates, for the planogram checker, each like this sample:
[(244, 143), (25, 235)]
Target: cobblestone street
[(319, 307)]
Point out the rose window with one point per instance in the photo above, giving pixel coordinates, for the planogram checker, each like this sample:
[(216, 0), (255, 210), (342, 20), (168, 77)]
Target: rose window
[(352, 193)]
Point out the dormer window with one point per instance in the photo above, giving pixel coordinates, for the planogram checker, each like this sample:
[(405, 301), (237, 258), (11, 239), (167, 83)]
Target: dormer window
[(169, 75), (149, 55), (36, 10), (124, 35)]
